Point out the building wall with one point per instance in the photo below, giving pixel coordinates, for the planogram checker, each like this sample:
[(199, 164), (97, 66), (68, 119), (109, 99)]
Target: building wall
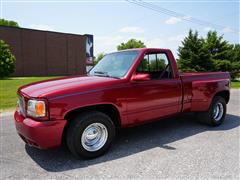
[(43, 53)]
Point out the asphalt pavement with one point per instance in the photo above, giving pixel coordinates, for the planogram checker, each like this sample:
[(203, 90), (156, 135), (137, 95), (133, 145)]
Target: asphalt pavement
[(174, 148)]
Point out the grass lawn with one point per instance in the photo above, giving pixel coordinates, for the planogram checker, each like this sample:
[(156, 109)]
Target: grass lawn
[(235, 84), (8, 88)]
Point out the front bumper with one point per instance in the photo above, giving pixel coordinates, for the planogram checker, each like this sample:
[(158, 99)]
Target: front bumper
[(43, 134)]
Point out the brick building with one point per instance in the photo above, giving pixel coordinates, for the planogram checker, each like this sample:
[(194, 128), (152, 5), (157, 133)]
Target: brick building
[(45, 53)]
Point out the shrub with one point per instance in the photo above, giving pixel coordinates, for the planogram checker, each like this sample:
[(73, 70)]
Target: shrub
[(4, 22), (7, 60)]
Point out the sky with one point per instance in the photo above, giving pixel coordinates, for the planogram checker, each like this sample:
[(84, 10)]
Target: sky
[(113, 22)]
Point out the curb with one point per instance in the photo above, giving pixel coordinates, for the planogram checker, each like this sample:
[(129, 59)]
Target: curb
[(3, 114)]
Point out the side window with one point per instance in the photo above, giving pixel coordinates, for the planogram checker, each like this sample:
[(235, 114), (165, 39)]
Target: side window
[(152, 62), (157, 65), (144, 65), (162, 61)]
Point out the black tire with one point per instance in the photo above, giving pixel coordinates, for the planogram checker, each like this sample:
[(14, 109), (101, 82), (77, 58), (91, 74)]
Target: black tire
[(208, 116), (76, 128)]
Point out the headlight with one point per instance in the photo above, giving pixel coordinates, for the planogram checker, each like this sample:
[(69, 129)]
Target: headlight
[(36, 108)]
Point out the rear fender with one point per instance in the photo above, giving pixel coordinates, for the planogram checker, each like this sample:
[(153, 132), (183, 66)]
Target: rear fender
[(204, 91)]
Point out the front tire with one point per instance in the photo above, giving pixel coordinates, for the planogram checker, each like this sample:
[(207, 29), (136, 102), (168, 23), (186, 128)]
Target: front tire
[(90, 134), (216, 113)]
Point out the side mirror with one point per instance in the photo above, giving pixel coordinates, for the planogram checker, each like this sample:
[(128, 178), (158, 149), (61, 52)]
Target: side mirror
[(140, 77)]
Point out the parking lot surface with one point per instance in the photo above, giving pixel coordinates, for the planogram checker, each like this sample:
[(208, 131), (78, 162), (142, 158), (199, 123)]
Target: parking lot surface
[(173, 148)]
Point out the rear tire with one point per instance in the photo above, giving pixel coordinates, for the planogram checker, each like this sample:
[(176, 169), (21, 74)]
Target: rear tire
[(90, 134), (215, 114)]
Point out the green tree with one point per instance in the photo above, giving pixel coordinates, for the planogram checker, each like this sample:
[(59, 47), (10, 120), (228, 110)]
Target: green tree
[(194, 56), (226, 56), (235, 53), (209, 54), (4, 22), (98, 58), (235, 60), (130, 44), (219, 48), (7, 60)]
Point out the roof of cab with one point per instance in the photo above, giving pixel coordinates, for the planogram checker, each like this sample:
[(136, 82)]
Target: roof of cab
[(145, 49)]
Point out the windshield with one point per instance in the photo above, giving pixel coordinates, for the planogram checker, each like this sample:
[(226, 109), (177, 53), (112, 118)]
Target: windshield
[(115, 65)]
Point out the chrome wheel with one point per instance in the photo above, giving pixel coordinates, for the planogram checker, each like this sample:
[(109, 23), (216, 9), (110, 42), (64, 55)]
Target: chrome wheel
[(218, 111), (94, 137)]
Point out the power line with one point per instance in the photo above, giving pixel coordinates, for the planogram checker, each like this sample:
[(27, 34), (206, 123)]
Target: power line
[(178, 15), (192, 18)]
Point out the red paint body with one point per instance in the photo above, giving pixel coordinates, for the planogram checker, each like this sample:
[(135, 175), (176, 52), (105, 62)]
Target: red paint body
[(136, 101)]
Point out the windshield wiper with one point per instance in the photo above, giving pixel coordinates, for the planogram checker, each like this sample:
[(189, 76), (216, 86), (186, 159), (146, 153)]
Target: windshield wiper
[(100, 72), (104, 74)]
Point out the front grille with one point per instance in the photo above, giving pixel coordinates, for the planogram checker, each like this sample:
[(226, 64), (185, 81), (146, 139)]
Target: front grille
[(21, 105)]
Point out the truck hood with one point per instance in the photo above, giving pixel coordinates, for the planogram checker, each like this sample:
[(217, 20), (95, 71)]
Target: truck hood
[(67, 85)]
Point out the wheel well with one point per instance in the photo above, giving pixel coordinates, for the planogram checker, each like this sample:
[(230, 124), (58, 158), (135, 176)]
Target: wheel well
[(107, 109), (224, 94)]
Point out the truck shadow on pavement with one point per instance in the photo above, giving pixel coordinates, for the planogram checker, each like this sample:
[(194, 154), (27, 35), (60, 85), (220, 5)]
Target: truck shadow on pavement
[(131, 141)]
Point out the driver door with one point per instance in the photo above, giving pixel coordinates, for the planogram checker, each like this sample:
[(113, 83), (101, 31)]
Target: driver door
[(155, 98)]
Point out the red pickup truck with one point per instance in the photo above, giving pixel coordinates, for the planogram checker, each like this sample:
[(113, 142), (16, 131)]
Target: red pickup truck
[(124, 89)]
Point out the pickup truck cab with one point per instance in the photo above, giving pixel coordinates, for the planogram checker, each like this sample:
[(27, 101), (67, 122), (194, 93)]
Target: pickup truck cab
[(124, 89)]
